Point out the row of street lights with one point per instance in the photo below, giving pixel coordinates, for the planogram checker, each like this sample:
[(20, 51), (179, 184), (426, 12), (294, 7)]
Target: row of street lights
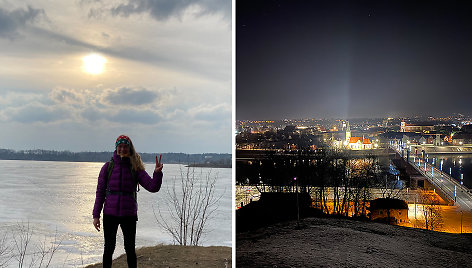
[(434, 164), (398, 145), (432, 173)]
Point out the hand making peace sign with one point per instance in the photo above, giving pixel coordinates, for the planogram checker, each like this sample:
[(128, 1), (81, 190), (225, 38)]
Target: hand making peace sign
[(159, 165)]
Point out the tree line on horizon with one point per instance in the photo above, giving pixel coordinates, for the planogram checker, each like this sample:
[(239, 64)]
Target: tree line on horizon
[(212, 159)]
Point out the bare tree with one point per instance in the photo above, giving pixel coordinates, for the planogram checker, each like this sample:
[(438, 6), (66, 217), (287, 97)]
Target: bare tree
[(362, 175), (26, 253), (22, 240), (391, 187), (5, 251), (47, 252), (431, 210), (322, 169), (190, 207), (339, 180)]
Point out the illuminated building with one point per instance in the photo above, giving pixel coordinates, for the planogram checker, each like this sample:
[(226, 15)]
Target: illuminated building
[(419, 128), (359, 143), (356, 143)]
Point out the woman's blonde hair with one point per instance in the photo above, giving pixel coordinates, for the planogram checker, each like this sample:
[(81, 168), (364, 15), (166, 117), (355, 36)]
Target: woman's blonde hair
[(135, 159)]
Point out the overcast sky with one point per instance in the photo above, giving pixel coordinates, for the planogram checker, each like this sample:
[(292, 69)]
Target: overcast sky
[(351, 59), (166, 82)]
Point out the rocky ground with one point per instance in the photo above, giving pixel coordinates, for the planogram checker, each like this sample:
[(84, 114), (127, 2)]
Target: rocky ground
[(331, 242), (177, 256)]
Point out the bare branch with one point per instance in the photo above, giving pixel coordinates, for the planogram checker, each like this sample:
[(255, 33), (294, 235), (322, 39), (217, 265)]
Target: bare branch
[(190, 208)]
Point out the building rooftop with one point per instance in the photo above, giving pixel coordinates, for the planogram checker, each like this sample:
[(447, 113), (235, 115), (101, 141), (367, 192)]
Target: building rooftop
[(359, 139)]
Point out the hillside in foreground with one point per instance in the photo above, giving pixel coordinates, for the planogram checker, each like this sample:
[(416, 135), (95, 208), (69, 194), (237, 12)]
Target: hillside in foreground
[(177, 256), (331, 242)]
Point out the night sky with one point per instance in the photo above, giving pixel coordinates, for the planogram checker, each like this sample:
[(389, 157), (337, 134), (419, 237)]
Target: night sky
[(352, 59)]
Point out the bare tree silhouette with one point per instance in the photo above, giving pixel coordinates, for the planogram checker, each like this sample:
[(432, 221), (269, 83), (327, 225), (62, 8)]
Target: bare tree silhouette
[(190, 207)]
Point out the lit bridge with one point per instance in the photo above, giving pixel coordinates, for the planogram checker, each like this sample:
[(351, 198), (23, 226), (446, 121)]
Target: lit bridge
[(451, 188)]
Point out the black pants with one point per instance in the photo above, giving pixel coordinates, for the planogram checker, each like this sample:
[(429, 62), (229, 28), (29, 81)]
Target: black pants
[(128, 227)]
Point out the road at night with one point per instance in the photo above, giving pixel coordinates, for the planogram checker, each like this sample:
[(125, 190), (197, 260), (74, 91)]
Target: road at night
[(444, 183)]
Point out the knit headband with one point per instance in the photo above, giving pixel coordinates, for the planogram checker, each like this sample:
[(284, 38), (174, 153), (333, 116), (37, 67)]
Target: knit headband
[(122, 139)]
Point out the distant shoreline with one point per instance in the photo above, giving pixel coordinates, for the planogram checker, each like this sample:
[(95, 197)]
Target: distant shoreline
[(211, 165), (222, 160)]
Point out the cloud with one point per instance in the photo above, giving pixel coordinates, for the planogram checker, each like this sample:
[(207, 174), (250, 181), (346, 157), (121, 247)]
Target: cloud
[(163, 10), (129, 96), (217, 112), (12, 21), (105, 35), (61, 38), (195, 59), (163, 59), (65, 96), (133, 116), (17, 99), (36, 112), (217, 6), (92, 114), (119, 106), (123, 105), (126, 117)]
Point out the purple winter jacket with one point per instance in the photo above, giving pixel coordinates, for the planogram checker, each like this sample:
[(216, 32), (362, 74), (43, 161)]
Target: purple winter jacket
[(121, 180)]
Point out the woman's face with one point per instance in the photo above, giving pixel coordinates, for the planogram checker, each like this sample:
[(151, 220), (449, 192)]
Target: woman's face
[(122, 149)]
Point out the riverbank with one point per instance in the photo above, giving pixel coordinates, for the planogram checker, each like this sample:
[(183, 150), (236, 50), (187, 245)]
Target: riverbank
[(177, 256), (211, 165), (331, 242), (66, 156)]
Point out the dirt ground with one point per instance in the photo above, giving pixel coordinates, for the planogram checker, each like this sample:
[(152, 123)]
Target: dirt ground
[(177, 256), (329, 242)]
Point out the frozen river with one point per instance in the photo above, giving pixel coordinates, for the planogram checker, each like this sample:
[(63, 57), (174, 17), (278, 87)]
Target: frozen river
[(56, 200)]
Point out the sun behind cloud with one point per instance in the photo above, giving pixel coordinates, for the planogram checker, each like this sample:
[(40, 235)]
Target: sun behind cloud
[(93, 64)]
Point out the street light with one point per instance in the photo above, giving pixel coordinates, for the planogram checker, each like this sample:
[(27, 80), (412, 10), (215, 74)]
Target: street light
[(461, 220), (298, 207), (455, 193)]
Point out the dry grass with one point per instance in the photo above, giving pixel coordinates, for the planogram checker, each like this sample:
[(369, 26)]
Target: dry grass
[(177, 256)]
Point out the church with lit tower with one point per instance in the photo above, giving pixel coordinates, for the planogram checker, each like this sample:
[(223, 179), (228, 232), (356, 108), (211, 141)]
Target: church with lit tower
[(356, 143)]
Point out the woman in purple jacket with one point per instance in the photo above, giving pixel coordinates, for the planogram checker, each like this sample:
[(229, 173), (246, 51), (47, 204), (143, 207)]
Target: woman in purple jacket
[(116, 188)]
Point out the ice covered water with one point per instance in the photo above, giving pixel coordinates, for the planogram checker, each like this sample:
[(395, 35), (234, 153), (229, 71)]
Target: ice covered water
[(55, 199)]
